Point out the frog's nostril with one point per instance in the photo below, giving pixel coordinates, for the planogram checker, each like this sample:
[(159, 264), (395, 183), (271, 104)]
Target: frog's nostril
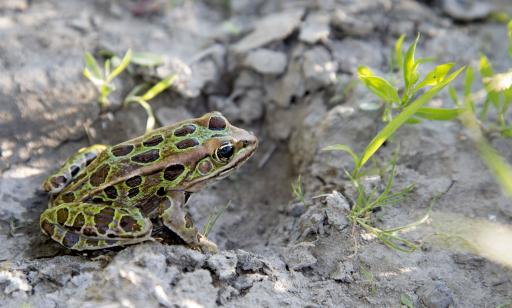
[(245, 143)]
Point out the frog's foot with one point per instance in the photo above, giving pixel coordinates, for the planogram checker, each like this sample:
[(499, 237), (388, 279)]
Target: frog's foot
[(72, 168), (176, 219), (91, 226)]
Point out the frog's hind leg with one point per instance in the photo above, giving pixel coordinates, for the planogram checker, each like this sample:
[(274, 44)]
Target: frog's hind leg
[(72, 168), (175, 217), (91, 226)]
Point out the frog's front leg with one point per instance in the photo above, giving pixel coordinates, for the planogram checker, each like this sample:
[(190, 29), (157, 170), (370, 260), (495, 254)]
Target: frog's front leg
[(88, 226), (175, 217), (72, 168)]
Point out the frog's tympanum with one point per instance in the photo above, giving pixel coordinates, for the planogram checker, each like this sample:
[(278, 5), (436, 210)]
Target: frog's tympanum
[(112, 196)]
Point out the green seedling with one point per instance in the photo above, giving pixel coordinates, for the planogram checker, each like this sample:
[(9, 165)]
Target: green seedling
[(143, 99), (496, 163), (297, 190), (212, 219), (406, 301), (414, 86), (103, 79)]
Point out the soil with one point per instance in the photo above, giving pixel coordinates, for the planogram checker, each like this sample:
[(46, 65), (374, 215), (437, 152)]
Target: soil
[(280, 69)]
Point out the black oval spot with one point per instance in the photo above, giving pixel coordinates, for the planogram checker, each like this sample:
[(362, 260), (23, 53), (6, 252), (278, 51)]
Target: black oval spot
[(47, 227), (161, 192), (134, 181), (62, 216), (216, 123), (154, 140), (122, 150), (100, 175), (70, 239), (147, 157), (111, 192), (68, 197), (133, 192), (187, 143), (185, 130), (74, 170), (172, 172), (97, 200)]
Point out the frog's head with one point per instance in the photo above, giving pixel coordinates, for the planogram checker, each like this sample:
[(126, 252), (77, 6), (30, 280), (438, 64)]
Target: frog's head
[(224, 148)]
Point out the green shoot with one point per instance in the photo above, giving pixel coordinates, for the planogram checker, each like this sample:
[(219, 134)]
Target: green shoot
[(212, 219), (143, 99), (498, 166), (432, 83), (406, 301), (103, 80), (297, 191)]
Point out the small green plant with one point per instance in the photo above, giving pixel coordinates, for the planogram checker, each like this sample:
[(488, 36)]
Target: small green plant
[(149, 94), (297, 190), (103, 79), (406, 301), (498, 165), (430, 85), (410, 107)]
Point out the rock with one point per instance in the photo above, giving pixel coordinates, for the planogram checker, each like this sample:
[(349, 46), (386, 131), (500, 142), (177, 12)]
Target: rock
[(248, 262), (351, 26), (13, 281), (271, 28), (350, 53), (223, 264), (318, 68), (336, 207), (315, 28), (168, 116), (436, 295), (466, 10), (266, 61), (190, 79), (15, 5), (299, 257), (343, 272), (291, 86), (251, 106)]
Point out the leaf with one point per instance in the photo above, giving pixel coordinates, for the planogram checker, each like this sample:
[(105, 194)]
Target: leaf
[(150, 124), (158, 88), (379, 86), (435, 76), (453, 96), (509, 27), (485, 67), (401, 118), (398, 52), (439, 114), (344, 148), (147, 59), (121, 67), (89, 75), (92, 66), (406, 300), (410, 67), (468, 81)]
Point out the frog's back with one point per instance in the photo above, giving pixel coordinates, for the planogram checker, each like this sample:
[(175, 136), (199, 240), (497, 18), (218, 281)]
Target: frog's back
[(133, 171)]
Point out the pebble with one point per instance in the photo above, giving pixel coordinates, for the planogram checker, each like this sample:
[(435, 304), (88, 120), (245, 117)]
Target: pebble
[(436, 295), (315, 28), (466, 10), (273, 27), (266, 61)]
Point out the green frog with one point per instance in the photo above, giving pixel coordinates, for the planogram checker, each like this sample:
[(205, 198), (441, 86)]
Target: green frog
[(107, 196)]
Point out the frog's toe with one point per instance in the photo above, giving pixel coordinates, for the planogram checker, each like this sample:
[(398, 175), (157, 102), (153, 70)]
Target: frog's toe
[(206, 245)]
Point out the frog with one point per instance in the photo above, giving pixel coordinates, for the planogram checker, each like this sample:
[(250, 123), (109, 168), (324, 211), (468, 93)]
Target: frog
[(109, 196)]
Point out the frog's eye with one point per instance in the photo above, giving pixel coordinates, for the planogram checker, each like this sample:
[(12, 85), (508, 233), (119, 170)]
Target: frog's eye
[(225, 152)]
